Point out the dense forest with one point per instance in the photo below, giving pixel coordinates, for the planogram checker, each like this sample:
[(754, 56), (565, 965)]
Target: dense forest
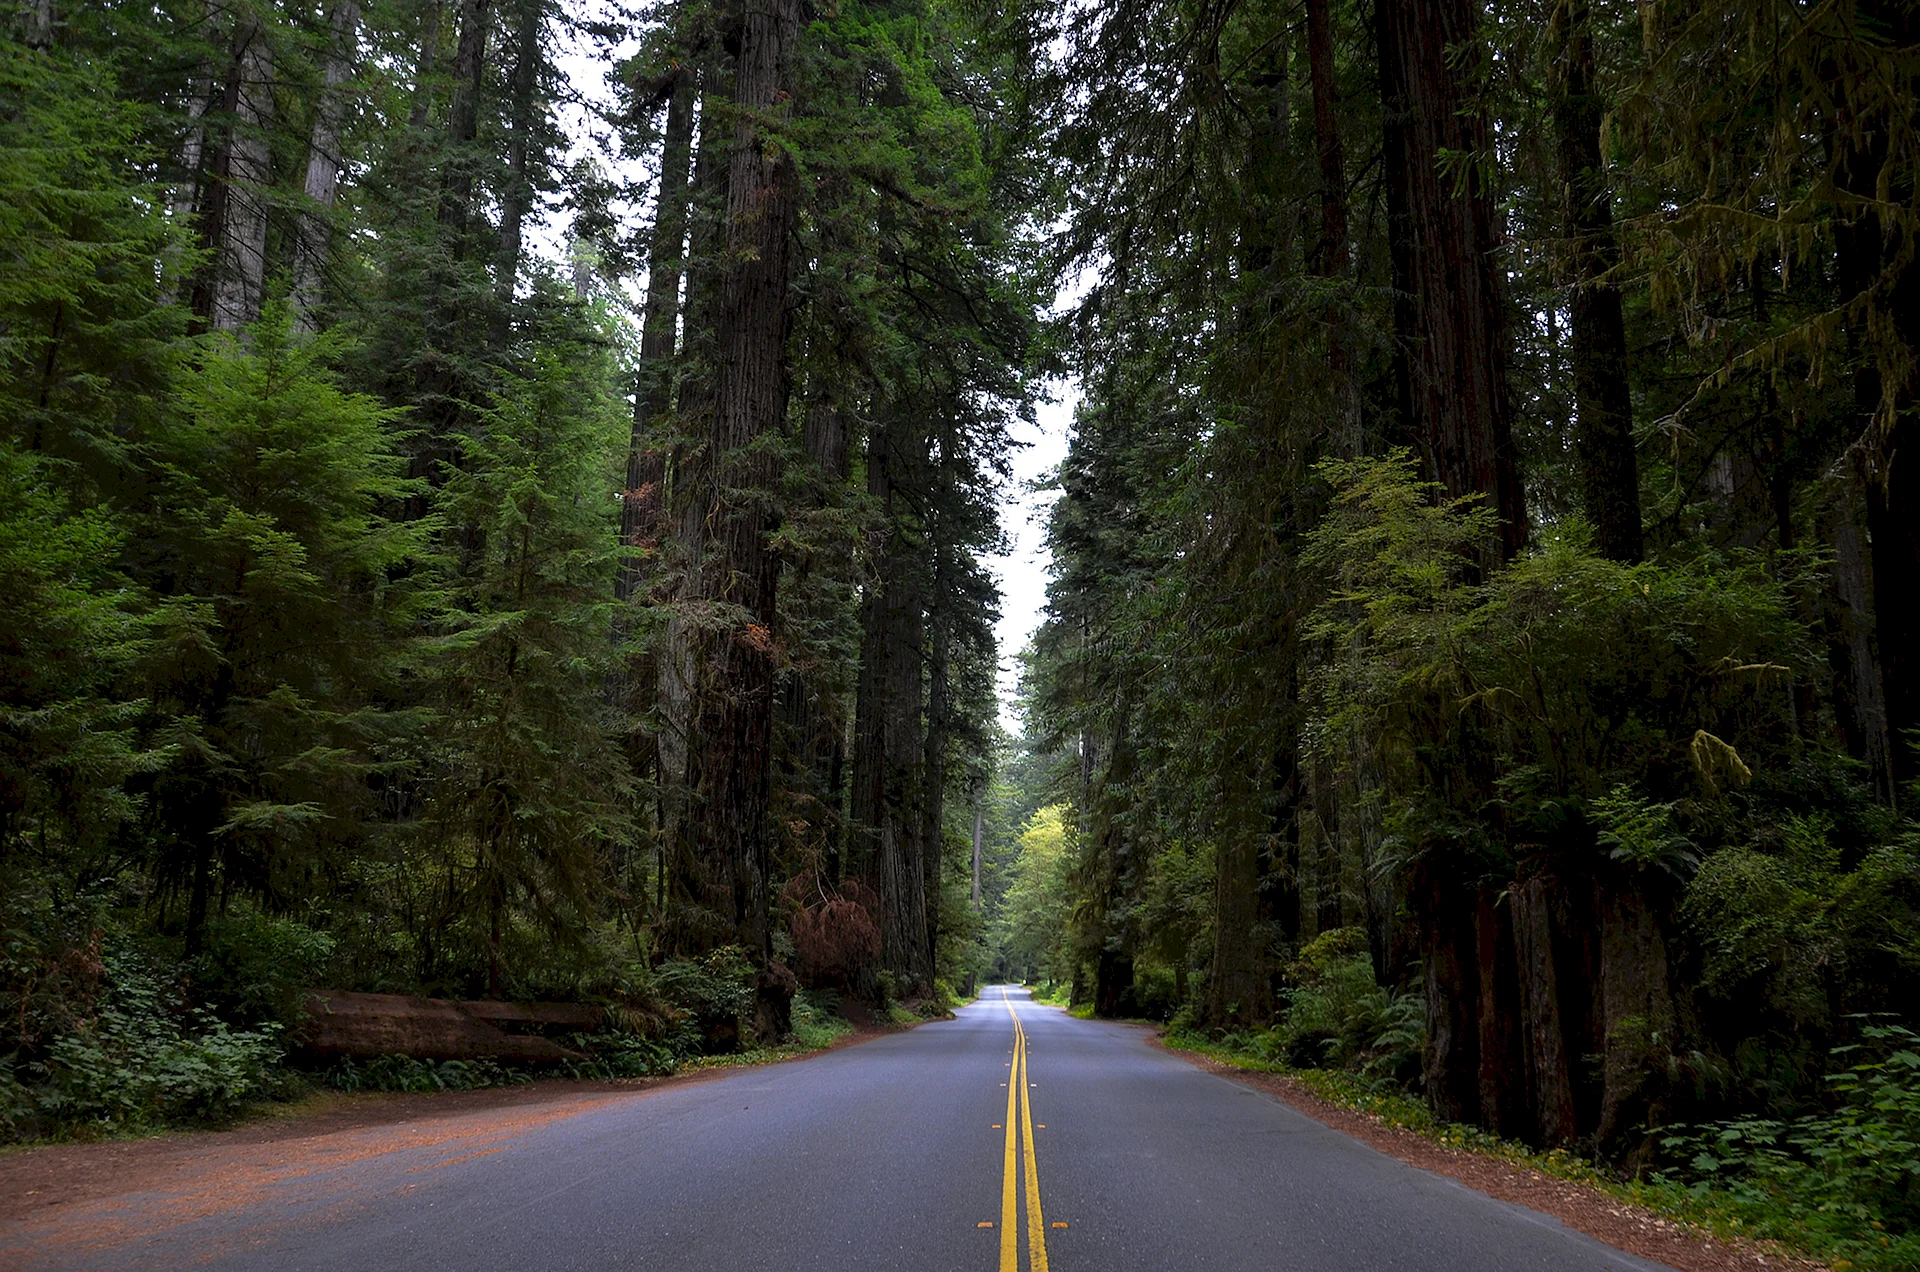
[(468, 533)]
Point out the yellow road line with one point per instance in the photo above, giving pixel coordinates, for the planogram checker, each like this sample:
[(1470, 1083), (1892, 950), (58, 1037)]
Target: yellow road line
[(1009, 1214), (1021, 1120), (1036, 1225)]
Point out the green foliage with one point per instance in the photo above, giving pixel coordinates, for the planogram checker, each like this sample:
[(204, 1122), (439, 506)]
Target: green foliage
[(716, 993), (405, 1073), (88, 345), (75, 630), (528, 786), (1849, 1177), (139, 1061), (1033, 916), (254, 968), (1641, 833)]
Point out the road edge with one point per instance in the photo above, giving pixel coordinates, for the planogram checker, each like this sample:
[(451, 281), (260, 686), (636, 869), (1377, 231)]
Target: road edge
[(1614, 1221)]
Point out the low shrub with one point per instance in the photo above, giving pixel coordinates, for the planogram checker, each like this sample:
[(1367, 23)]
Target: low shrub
[(1849, 1176), (139, 1061)]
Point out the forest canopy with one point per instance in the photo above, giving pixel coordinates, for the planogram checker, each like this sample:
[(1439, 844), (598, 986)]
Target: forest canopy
[(502, 501)]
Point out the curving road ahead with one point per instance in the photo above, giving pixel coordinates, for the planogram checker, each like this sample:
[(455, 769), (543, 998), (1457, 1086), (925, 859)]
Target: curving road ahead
[(1013, 1138)]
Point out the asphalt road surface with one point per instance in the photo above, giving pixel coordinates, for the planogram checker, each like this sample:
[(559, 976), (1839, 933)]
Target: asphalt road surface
[(1012, 1139)]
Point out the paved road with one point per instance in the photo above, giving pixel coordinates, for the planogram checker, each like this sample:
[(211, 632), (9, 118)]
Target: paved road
[(929, 1150)]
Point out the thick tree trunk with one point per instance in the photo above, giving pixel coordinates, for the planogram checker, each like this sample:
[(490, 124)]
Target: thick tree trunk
[(1549, 1072), (462, 164), (939, 734), (1452, 984), (1112, 926), (1330, 252), (733, 701), (643, 508), (689, 926), (1451, 374), (1330, 255), (1449, 310), (1609, 465), (246, 175), (1858, 701), (314, 229), (1637, 1020), (516, 194), (1238, 995), (979, 832), (887, 809), (1877, 259), (1502, 1064)]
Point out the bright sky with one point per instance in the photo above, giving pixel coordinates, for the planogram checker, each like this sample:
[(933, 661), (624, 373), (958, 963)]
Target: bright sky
[(1022, 572)]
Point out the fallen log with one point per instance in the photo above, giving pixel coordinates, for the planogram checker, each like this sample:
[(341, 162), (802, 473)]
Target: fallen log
[(340, 1023)]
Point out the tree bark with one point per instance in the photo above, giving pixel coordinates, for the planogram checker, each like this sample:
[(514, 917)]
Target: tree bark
[(1329, 258), (733, 703), (1549, 1074), (1499, 1045), (888, 809), (1238, 995), (1859, 703), (939, 733), (314, 229), (643, 503), (1452, 984), (1449, 307), (1637, 1020), (979, 832), (461, 164), (246, 178), (1876, 261), (1609, 464), (517, 193)]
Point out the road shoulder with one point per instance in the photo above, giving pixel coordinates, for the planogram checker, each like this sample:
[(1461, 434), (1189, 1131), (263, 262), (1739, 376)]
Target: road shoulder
[(1620, 1224)]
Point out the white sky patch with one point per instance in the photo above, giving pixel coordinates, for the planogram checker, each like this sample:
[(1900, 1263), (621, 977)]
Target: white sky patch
[(1022, 570)]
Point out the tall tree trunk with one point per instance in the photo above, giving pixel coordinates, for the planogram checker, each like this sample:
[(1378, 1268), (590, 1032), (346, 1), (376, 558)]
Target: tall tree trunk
[(517, 193), (423, 69), (1452, 984), (240, 264), (314, 229), (1609, 465), (1502, 1063), (688, 922), (733, 703), (461, 163), (979, 832), (1449, 310), (1637, 1020), (1330, 253), (1858, 700), (1451, 374), (1238, 995), (643, 505), (1877, 260), (1549, 1070), (939, 735), (888, 810)]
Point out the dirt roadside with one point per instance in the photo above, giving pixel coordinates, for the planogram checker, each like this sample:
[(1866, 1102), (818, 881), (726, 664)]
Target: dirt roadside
[(1619, 1224), (67, 1186)]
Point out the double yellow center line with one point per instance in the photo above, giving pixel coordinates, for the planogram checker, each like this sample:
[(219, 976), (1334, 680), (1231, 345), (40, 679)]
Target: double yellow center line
[(1020, 1149)]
